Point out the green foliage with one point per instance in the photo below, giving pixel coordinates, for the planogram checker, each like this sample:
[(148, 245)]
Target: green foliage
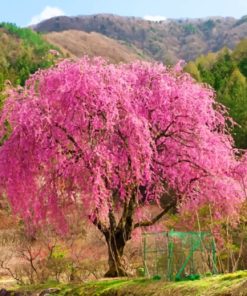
[(208, 25), (157, 277), (240, 55), (58, 263), (226, 72), (231, 284), (22, 52), (191, 277), (26, 34), (140, 271), (193, 70), (240, 51), (59, 253), (190, 29), (7, 133), (243, 66)]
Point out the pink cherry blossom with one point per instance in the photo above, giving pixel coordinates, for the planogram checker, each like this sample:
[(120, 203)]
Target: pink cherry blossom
[(87, 129), (115, 138)]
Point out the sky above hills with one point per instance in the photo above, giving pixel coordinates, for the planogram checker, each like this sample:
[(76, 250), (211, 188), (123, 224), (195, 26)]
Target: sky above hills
[(26, 12)]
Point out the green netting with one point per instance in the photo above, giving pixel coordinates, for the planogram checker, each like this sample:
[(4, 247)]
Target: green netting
[(179, 255)]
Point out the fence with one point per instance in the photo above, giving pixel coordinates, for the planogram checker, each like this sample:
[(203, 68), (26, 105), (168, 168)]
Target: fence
[(179, 255)]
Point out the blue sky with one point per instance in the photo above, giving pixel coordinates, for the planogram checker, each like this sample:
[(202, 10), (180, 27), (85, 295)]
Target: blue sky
[(24, 12)]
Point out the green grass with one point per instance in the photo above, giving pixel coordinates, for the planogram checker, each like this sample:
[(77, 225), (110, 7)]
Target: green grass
[(229, 284)]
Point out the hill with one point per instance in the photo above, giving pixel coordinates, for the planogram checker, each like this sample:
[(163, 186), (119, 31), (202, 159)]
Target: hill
[(165, 41), (79, 43), (22, 52)]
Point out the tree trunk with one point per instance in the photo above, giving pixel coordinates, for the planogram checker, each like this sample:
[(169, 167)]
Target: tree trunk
[(116, 243), (117, 234)]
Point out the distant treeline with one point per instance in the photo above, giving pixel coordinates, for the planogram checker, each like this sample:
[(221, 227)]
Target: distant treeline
[(226, 72)]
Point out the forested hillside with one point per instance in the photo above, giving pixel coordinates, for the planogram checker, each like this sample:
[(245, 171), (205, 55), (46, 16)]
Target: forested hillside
[(22, 52), (226, 72), (165, 41)]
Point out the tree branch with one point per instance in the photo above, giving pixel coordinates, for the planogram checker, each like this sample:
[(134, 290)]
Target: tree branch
[(128, 225), (124, 215), (101, 226), (12, 274), (69, 137), (155, 219)]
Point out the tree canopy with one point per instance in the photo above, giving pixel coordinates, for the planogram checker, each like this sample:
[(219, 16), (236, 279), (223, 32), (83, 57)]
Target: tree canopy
[(114, 139)]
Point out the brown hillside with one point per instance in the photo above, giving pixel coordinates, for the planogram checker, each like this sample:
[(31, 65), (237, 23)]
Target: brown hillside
[(165, 41), (79, 43)]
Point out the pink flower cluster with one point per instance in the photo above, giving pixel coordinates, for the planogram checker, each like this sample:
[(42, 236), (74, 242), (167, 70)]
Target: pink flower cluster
[(90, 132)]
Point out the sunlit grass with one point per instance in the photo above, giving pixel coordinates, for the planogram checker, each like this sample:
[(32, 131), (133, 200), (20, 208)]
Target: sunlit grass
[(209, 286)]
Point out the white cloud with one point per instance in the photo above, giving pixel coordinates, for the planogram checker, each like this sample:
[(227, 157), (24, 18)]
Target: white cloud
[(47, 13), (154, 18)]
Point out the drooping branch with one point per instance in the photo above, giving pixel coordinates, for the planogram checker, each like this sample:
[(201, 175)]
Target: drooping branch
[(100, 225), (69, 136), (151, 222), (192, 163), (77, 154), (164, 132)]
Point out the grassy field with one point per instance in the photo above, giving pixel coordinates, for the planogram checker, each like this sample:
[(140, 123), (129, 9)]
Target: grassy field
[(234, 284)]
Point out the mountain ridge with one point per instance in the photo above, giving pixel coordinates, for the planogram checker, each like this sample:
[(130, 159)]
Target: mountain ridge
[(166, 41)]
